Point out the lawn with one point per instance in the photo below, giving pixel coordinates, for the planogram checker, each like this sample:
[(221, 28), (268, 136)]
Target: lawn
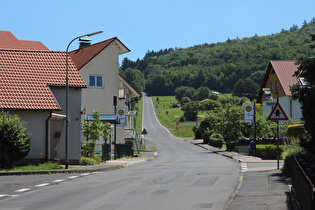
[(170, 117)]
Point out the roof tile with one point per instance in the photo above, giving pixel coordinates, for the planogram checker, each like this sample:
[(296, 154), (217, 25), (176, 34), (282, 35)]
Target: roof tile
[(84, 55), (9, 41), (25, 77), (284, 69)]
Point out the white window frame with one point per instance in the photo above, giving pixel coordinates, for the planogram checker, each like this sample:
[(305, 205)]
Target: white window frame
[(95, 76)]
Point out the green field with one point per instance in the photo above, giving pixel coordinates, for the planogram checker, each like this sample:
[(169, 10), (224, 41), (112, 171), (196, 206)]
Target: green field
[(169, 117)]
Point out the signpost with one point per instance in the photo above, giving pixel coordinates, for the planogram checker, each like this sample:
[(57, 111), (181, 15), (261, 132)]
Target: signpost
[(248, 113), (250, 117), (277, 114)]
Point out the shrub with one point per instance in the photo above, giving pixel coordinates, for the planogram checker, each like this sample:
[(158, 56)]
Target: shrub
[(230, 146), (268, 151), (289, 151), (89, 161), (215, 142), (15, 142), (216, 135)]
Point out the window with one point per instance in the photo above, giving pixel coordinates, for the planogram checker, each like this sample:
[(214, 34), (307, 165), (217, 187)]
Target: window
[(271, 87), (303, 81), (96, 81)]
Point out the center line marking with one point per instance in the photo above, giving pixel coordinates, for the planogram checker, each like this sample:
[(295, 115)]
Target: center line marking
[(42, 185), (59, 180), (73, 177), (22, 190)]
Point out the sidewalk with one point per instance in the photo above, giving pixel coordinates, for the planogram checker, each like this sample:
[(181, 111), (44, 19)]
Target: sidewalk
[(108, 166), (258, 188)]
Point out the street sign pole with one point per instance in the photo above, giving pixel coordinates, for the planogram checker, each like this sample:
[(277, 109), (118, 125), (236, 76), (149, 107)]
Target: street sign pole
[(255, 126)]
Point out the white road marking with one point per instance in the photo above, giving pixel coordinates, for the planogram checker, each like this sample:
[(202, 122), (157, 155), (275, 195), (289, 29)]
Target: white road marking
[(23, 190), (42, 185), (73, 177), (3, 195), (59, 180), (85, 174), (243, 167)]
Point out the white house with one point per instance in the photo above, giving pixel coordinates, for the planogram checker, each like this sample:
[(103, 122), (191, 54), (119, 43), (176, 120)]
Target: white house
[(98, 65), (279, 75)]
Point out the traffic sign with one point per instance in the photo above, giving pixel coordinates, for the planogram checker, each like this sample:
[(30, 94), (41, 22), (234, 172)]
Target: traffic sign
[(248, 113), (144, 131), (277, 113)]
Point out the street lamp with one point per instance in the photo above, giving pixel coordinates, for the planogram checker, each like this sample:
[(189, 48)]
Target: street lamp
[(228, 114), (67, 98)]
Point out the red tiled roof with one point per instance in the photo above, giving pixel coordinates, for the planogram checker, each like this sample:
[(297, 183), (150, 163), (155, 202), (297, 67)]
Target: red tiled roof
[(25, 77), (9, 41), (85, 54), (284, 71)]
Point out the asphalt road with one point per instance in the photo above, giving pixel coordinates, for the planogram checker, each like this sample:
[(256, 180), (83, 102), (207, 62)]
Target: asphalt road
[(182, 176)]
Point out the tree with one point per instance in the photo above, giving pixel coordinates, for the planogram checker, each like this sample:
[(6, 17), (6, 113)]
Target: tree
[(184, 91), (136, 78), (210, 105), (202, 93), (93, 130), (239, 88), (251, 88), (15, 142), (305, 93), (191, 110)]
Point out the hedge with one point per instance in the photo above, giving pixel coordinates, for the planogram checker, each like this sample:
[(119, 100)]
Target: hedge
[(215, 142), (268, 151)]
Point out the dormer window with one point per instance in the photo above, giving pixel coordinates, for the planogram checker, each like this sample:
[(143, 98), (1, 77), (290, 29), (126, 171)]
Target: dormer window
[(96, 81)]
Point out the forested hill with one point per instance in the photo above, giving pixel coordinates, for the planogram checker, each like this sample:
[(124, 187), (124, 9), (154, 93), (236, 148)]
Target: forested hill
[(217, 66)]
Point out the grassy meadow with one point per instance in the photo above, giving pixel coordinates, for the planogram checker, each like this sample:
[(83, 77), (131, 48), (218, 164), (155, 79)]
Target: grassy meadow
[(169, 117)]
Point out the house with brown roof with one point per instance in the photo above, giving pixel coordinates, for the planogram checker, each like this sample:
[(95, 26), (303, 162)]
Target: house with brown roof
[(9, 41), (98, 65), (279, 75), (32, 85)]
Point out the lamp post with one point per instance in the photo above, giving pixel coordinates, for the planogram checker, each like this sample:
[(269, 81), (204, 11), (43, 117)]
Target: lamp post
[(67, 98)]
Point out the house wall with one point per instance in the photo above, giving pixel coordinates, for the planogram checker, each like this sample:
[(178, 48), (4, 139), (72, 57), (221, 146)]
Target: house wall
[(74, 122), (36, 126), (291, 108), (101, 99)]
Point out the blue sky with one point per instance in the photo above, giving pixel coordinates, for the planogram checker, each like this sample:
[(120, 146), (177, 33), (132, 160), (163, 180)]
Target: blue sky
[(144, 25)]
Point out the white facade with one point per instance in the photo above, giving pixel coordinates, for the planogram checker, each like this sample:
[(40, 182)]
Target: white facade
[(292, 108)]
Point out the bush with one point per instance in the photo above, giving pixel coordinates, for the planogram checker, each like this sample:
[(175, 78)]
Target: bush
[(267, 151), (230, 146), (215, 142), (15, 142), (295, 130), (216, 135), (289, 151), (89, 161)]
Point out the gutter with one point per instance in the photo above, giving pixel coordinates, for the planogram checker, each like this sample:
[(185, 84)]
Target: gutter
[(47, 136)]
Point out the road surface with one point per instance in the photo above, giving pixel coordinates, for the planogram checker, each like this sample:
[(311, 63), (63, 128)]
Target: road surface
[(182, 176)]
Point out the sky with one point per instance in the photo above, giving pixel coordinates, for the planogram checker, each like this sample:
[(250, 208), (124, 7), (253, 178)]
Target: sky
[(143, 25)]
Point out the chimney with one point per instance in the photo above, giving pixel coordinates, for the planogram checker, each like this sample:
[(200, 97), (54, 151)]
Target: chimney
[(84, 44)]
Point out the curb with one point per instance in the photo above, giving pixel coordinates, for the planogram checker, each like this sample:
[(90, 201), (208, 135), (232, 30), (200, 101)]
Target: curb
[(92, 168)]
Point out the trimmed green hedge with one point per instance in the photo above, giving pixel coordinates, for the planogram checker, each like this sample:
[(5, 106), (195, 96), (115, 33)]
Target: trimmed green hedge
[(267, 151), (215, 142), (296, 130)]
